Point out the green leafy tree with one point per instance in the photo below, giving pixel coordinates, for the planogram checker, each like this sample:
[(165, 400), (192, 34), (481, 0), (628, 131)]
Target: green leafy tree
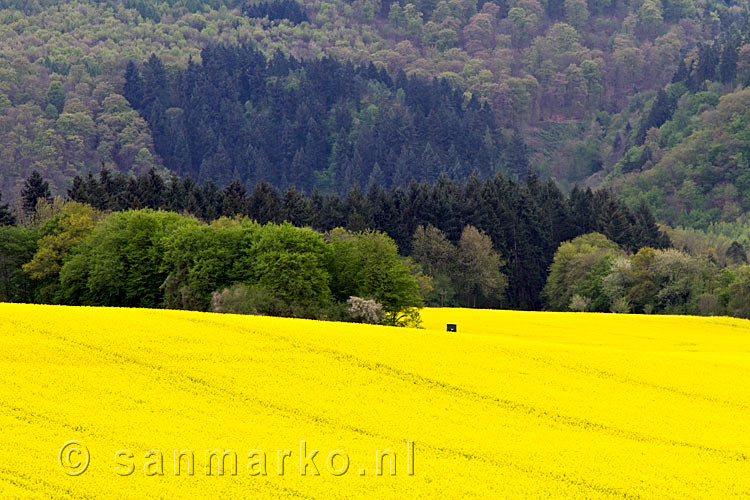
[(736, 254), (17, 246), (577, 13), (202, 259), (572, 267), (438, 258), (739, 293), (368, 265), (121, 262), (58, 236), (56, 96), (479, 266), (293, 264)]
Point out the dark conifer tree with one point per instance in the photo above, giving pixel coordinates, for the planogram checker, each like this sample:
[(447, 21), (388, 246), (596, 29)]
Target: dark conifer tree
[(728, 64), (194, 202), (35, 188), (97, 197), (613, 219), (235, 200), (77, 191), (151, 189), (298, 209), (175, 195), (582, 211), (6, 216), (211, 201), (646, 232), (265, 204), (357, 210), (661, 110), (736, 254), (133, 89)]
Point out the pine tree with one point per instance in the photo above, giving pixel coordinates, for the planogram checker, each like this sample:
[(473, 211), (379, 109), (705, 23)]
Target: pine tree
[(582, 211), (265, 204), (646, 232), (431, 165), (77, 191), (298, 209), (133, 89), (235, 200), (97, 196), (736, 254), (175, 195), (357, 209), (728, 64), (613, 220), (151, 189), (211, 198), (6, 216), (517, 156), (661, 110), (34, 189), (682, 74)]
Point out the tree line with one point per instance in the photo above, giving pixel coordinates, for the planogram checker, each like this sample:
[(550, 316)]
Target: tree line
[(592, 273), (496, 237), (365, 257)]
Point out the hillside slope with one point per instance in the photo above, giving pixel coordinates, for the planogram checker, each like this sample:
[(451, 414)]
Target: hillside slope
[(514, 405), (555, 73), (701, 178)]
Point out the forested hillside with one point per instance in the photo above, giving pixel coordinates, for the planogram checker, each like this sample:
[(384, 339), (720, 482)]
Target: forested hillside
[(568, 84), (316, 124)]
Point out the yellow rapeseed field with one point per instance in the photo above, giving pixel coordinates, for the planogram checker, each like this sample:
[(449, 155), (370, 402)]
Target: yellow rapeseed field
[(514, 405)]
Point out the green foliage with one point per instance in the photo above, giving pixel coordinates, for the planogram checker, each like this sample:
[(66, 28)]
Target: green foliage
[(705, 176), (56, 96), (292, 264), (368, 265), (58, 236), (468, 275), (739, 291), (243, 299), (56, 93), (6, 216), (121, 262), (578, 269), (202, 259), (479, 267), (17, 246), (651, 281)]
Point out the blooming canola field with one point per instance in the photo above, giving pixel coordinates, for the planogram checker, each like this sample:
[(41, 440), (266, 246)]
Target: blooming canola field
[(102, 403)]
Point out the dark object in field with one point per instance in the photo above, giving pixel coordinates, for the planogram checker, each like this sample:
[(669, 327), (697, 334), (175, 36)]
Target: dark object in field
[(452, 327)]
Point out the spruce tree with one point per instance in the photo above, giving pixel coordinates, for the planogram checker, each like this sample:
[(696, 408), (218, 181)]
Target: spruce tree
[(34, 189), (133, 89), (235, 200), (6, 216)]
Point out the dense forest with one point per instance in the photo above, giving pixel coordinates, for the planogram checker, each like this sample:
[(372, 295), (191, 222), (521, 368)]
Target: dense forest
[(373, 257), (314, 124), (518, 226), (574, 88)]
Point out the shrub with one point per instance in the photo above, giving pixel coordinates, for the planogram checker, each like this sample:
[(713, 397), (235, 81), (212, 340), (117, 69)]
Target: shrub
[(620, 306), (365, 311), (243, 299), (579, 303)]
